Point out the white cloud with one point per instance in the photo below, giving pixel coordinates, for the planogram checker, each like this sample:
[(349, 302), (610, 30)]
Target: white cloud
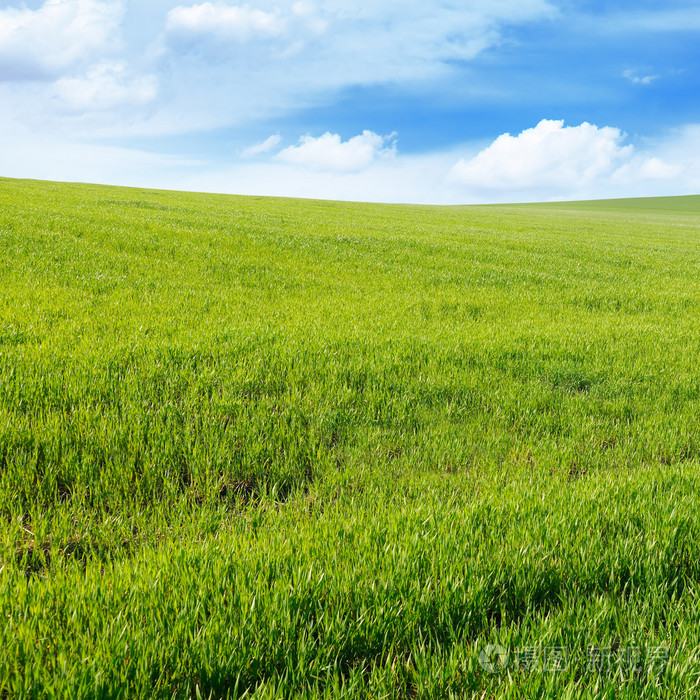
[(647, 169), (106, 85), (411, 39), (548, 155), (61, 34), (268, 145), (280, 55), (551, 161), (635, 79), (225, 22), (329, 153), (227, 64)]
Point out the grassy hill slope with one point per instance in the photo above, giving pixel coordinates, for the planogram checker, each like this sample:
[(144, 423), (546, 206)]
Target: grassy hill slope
[(311, 449), (686, 204)]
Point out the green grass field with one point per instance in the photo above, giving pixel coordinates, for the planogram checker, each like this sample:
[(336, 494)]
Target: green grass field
[(282, 448)]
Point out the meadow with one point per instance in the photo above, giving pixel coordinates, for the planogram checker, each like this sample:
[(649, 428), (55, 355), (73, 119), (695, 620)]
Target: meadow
[(256, 447)]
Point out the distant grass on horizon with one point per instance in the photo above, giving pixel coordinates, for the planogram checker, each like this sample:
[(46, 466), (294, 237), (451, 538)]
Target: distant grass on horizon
[(270, 447), (670, 204)]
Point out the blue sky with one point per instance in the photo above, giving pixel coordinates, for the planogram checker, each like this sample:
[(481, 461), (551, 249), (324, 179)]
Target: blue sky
[(443, 102)]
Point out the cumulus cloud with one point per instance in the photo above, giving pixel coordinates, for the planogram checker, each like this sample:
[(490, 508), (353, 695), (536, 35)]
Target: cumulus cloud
[(547, 155), (329, 153), (648, 169), (223, 21), (106, 85), (268, 145), (551, 160), (61, 34)]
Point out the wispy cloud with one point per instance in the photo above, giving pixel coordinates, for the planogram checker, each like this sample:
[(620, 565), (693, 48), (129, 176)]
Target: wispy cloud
[(632, 75), (266, 146), (107, 85), (269, 58), (209, 65)]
